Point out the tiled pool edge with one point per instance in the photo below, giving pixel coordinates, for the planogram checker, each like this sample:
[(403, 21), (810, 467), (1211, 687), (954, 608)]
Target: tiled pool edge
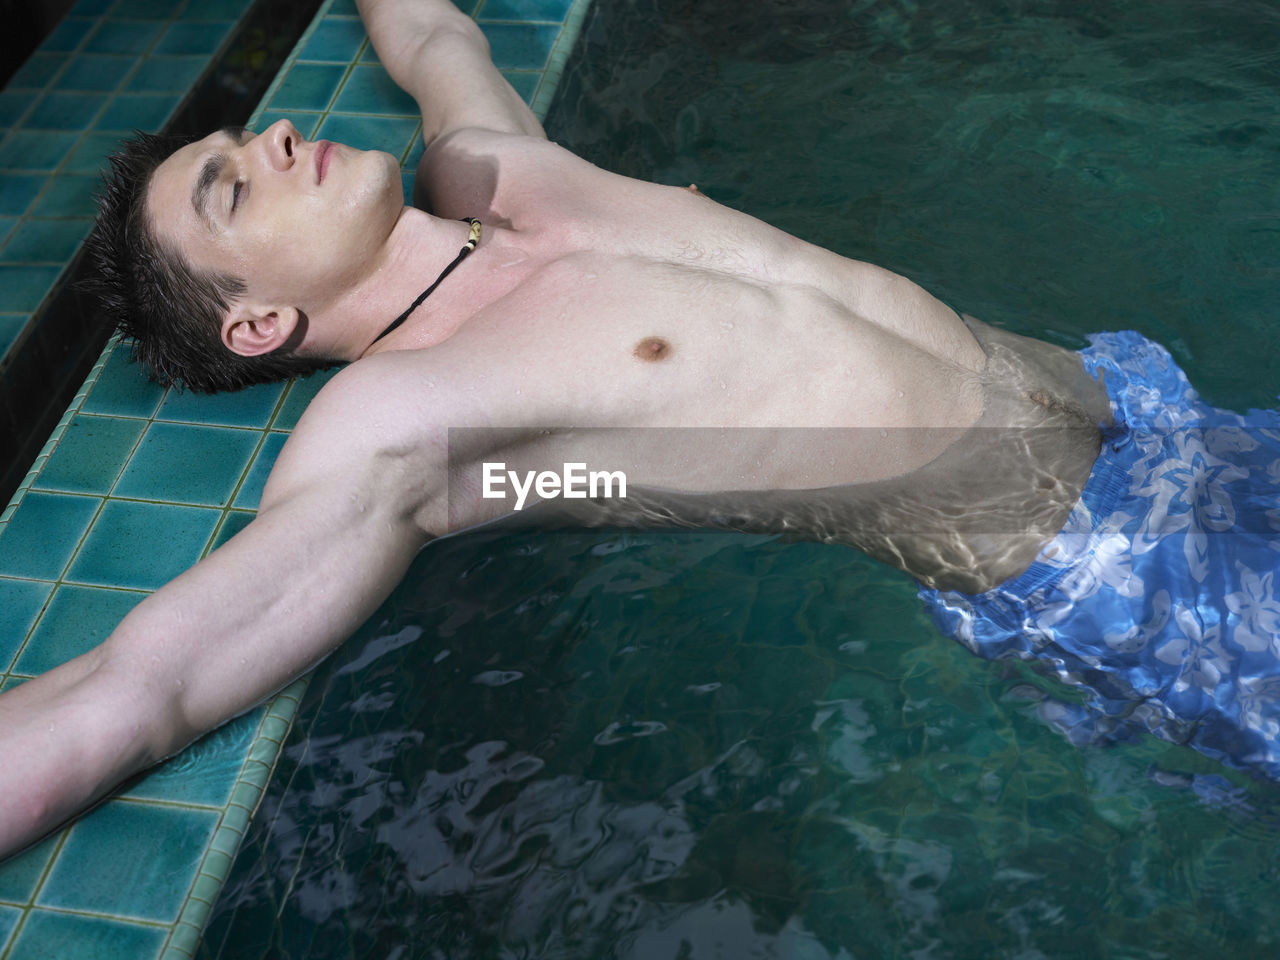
[(51, 444), (560, 52), (259, 764), (182, 935)]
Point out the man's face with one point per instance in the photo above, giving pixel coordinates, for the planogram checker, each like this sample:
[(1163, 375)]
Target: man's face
[(299, 221)]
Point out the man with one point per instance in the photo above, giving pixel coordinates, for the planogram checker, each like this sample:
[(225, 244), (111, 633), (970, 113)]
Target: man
[(832, 398)]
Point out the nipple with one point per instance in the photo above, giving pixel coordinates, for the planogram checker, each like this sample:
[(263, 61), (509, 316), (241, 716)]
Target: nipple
[(652, 349)]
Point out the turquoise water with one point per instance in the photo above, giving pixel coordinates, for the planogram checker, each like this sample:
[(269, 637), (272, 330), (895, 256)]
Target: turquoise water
[(693, 745)]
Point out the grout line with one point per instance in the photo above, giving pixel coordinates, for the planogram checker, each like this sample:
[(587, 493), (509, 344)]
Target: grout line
[(73, 408), (289, 61), (560, 51)]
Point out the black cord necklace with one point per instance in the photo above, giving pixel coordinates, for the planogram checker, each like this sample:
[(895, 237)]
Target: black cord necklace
[(473, 239)]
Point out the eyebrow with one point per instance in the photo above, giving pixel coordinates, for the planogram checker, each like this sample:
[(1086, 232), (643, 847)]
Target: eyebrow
[(210, 171)]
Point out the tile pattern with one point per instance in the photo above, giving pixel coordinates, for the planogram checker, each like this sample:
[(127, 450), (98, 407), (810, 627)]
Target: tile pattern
[(109, 67), (137, 483)]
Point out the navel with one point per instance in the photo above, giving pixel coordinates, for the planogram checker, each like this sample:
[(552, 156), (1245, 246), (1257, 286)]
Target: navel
[(652, 349)]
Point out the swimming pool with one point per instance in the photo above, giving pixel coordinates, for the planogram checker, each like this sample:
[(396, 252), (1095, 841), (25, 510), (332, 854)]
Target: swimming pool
[(605, 744)]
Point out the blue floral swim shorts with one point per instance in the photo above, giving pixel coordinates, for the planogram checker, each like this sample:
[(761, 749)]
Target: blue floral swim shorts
[(1159, 597)]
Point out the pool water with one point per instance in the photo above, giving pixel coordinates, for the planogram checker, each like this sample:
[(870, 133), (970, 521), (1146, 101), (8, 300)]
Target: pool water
[(692, 745)]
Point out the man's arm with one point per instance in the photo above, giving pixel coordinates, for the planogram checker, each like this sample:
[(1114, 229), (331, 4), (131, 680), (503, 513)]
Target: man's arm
[(438, 55), (338, 526)]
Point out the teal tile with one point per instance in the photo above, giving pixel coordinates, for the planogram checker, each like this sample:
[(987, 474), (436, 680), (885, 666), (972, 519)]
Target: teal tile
[(145, 9), (36, 149), (308, 86), (22, 288), (232, 523), (371, 90), (184, 463), (142, 546), (555, 10), (68, 195), (215, 9), (124, 36), (251, 407), (251, 490), (13, 106), (130, 859), (301, 393), (524, 82), (17, 190), (123, 389), (334, 38), (392, 134), (416, 149), (161, 74), (49, 934), (65, 111), (203, 37), (406, 186), (90, 455), (344, 8), (90, 156), (138, 111), (42, 534), (521, 46), (66, 36), (9, 917), (20, 876), (45, 241), (93, 71), (77, 620), (21, 602), (90, 8), (205, 772), (37, 71), (6, 227), (304, 122)]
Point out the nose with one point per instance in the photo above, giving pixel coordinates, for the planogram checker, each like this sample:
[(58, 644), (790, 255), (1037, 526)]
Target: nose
[(281, 140)]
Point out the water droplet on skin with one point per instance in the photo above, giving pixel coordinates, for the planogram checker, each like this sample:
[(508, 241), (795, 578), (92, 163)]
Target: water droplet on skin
[(883, 434), (899, 393)]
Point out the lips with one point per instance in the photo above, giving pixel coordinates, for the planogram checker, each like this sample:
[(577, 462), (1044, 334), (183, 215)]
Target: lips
[(323, 149)]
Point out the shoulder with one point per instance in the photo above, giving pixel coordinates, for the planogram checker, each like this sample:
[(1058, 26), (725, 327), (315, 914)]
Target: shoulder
[(502, 176), (373, 431)]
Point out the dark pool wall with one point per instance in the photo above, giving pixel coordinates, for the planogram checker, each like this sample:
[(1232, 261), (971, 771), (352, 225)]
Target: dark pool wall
[(27, 22)]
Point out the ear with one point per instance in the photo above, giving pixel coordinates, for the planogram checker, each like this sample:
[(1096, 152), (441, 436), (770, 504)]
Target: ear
[(252, 330)]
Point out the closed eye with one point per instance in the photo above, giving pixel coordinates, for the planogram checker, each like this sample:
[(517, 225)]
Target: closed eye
[(236, 191)]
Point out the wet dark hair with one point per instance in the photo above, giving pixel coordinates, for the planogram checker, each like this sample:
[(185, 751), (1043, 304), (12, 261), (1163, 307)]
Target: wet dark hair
[(172, 313)]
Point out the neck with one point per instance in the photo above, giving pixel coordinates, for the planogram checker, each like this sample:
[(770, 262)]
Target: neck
[(419, 247)]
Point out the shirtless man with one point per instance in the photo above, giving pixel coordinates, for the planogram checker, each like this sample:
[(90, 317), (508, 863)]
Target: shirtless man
[(592, 305)]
